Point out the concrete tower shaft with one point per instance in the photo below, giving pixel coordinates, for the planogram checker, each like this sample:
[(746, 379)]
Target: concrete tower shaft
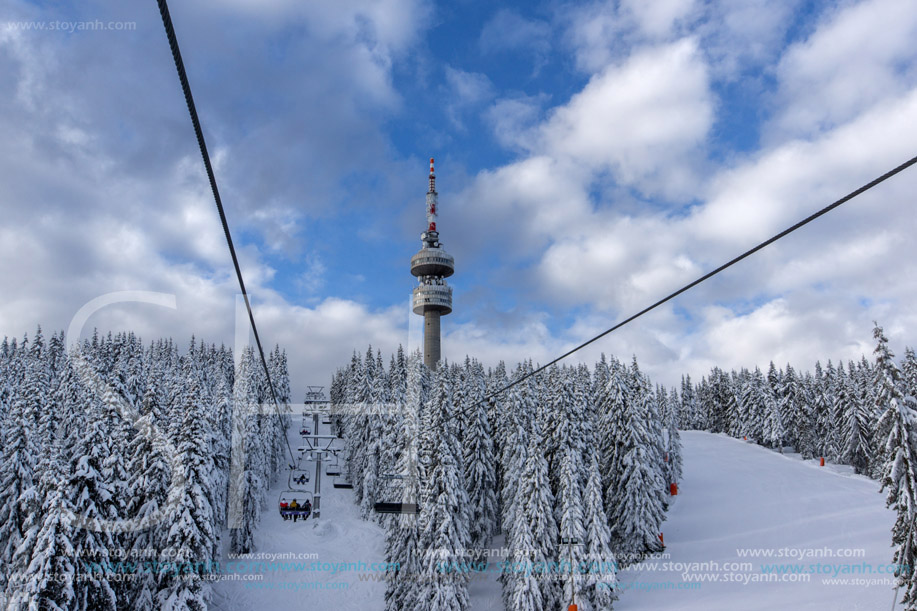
[(431, 265), (431, 343)]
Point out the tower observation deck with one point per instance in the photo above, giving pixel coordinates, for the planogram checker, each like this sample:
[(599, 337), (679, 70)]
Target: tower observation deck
[(432, 265)]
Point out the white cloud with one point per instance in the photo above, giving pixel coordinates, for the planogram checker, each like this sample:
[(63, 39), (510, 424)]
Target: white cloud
[(529, 337), (641, 120), (658, 18), (517, 207), (321, 339), (384, 26), (466, 91), (744, 36), (512, 120), (591, 33), (508, 31), (735, 35), (468, 87), (758, 198), (862, 54), (616, 264), (313, 278)]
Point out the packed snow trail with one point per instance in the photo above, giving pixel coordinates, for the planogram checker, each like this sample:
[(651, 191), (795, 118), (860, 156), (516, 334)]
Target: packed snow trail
[(308, 564), (820, 536)]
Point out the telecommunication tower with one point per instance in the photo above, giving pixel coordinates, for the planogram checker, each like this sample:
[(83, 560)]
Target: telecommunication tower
[(432, 265)]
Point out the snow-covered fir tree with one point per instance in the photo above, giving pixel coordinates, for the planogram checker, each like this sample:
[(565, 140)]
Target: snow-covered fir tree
[(691, 417), (899, 474), (444, 508), (854, 421), (569, 511), (673, 450), (189, 512), (824, 425), (94, 505), (611, 407), (635, 503), (479, 458), (47, 581), (754, 405), (17, 475), (599, 573), (774, 429), (244, 507), (374, 435), (403, 536), (498, 415)]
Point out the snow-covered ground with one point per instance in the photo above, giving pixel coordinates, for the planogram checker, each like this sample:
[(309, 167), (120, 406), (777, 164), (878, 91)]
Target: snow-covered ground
[(325, 575), (740, 496), (735, 496)]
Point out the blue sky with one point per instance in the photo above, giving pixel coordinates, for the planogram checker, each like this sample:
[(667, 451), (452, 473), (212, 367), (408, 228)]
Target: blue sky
[(591, 157)]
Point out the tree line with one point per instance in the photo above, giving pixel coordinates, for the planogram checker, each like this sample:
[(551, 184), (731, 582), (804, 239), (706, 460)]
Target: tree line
[(573, 467), (115, 477)]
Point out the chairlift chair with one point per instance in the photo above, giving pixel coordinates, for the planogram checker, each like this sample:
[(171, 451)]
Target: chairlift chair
[(298, 479), (342, 481), (333, 468), (395, 508), (286, 500)]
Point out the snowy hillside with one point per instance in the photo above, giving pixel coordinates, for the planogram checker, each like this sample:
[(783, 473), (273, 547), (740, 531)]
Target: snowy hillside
[(734, 496), (740, 496)]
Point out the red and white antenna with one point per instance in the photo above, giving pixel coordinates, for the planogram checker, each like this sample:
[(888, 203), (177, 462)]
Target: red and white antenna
[(431, 200)]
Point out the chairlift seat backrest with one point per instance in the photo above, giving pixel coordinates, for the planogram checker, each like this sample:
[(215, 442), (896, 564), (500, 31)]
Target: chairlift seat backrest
[(409, 508)]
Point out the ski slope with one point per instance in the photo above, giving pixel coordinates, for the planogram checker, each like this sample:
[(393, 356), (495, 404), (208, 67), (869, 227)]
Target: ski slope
[(737, 495), (336, 543)]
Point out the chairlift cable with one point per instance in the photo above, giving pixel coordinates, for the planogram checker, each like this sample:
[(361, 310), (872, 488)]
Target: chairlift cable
[(713, 273), (195, 120)]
